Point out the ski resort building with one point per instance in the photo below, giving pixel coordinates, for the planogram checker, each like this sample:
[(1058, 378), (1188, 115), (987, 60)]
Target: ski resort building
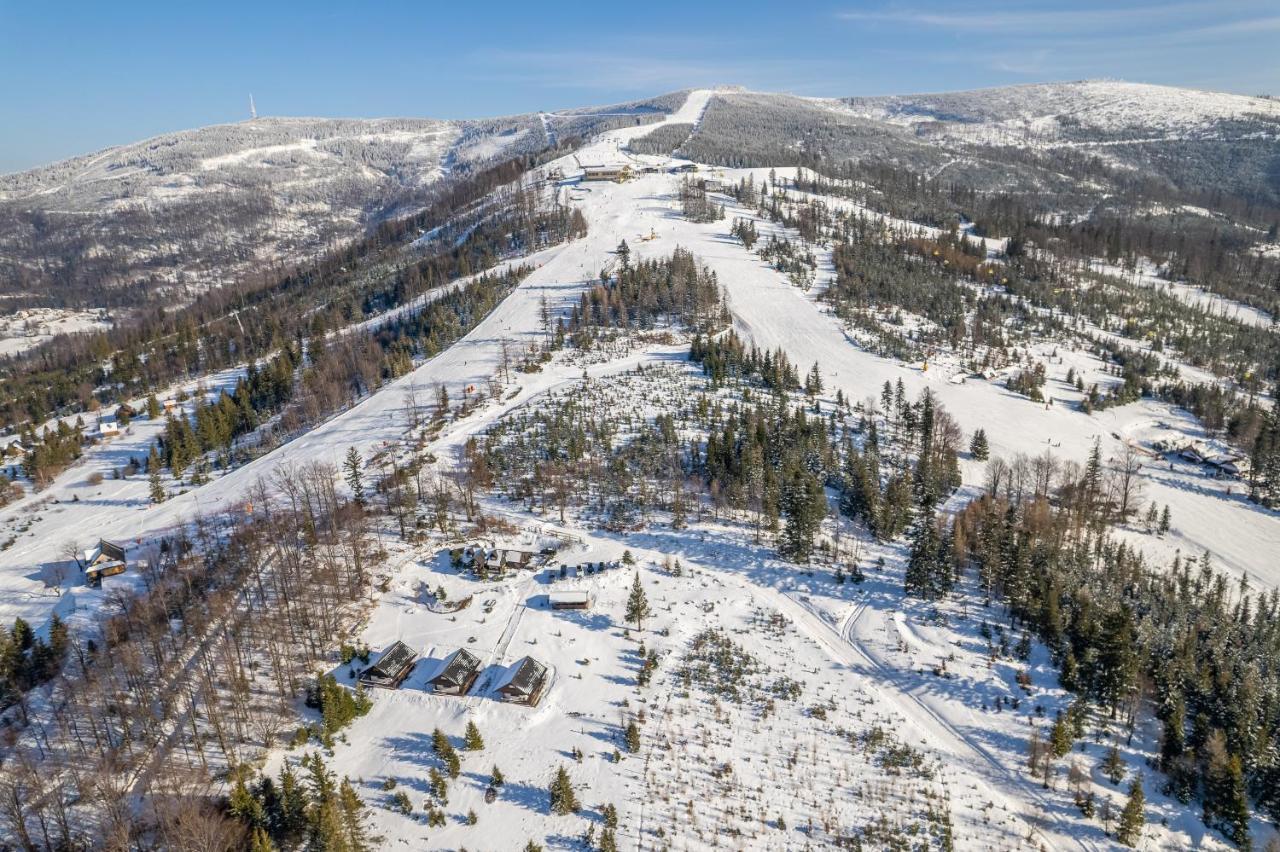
[(105, 559), (524, 682), (392, 666), (459, 673), (617, 173), (569, 600)]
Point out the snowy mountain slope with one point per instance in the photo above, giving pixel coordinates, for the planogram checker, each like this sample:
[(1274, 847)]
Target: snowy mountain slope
[(864, 652), (1061, 111), (1060, 145), (183, 212), (180, 213)]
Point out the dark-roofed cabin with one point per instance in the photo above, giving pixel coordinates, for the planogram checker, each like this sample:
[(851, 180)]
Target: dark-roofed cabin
[(524, 683), (106, 559), (458, 674), (392, 666)]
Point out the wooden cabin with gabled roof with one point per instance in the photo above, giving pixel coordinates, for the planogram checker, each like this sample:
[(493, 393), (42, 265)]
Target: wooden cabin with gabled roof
[(459, 673), (392, 666), (524, 682), (105, 559)]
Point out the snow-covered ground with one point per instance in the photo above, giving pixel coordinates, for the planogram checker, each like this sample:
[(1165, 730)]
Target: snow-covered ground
[(1047, 114), (1208, 514), (867, 662), (865, 655), (27, 329)]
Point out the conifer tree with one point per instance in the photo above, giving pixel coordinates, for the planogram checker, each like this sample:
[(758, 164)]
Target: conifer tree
[(352, 465), (805, 505), (472, 740), (978, 446), (637, 603), (813, 382), (260, 841), (291, 822), (1060, 736), (928, 573), (246, 807), (1113, 765), (153, 475), (633, 737), (1134, 815), (353, 817), (563, 798)]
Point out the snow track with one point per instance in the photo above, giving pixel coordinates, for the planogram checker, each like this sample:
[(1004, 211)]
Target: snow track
[(841, 644)]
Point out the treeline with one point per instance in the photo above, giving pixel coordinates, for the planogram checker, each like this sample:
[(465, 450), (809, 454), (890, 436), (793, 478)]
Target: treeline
[(27, 660), (1184, 640), (695, 203), (661, 141), (1206, 251), (906, 467), (368, 276), (676, 291), (334, 374)]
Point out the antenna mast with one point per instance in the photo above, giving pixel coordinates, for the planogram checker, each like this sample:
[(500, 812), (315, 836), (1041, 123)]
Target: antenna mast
[(253, 110)]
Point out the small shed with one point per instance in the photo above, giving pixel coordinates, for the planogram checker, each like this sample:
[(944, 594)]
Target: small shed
[(108, 429), (569, 599), (460, 670), (392, 666), (524, 682)]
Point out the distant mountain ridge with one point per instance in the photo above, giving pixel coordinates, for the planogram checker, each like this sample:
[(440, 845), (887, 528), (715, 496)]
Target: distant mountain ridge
[(170, 216), (175, 214)]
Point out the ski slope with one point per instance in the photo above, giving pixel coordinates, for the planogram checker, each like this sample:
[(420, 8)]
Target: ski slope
[(121, 510)]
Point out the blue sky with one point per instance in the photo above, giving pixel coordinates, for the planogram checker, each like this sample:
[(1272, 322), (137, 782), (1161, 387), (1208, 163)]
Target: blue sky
[(75, 77)]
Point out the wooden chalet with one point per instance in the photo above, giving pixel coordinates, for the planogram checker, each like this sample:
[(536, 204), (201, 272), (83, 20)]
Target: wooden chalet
[(524, 682), (105, 559), (459, 673), (392, 666), (569, 599)]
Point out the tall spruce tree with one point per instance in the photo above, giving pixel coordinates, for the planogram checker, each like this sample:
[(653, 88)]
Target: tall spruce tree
[(352, 464), (978, 446), (1134, 815), (564, 800), (804, 505), (637, 603)]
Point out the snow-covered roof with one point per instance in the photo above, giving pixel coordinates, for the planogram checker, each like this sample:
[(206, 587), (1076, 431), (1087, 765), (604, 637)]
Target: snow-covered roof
[(392, 662), (524, 678), (569, 597), (457, 667)]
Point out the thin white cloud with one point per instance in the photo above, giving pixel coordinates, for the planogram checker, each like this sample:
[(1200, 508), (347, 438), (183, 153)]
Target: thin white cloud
[(1187, 18)]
